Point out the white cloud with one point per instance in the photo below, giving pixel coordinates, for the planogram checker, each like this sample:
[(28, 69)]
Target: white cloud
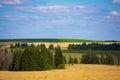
[(59, 9), (12, 2), (108, 17), (10, 17), (115, 13), (81, 7), (116, 1)]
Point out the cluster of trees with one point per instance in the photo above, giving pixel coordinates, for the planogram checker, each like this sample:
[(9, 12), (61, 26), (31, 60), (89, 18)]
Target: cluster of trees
[(94, 46), (18, 45), (94, 59), (25, 45), (32, 58), (72, 60)]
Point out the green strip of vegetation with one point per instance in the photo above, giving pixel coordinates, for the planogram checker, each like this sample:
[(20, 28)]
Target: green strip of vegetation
[(114, 52), (47, 40)]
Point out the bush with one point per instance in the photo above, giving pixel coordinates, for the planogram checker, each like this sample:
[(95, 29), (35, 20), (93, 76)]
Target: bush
[(90, 59), (48, 67), (61, 66)]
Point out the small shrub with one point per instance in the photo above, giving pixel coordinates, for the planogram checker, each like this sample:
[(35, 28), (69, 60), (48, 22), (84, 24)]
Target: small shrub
[(48, 67), (61, 66)]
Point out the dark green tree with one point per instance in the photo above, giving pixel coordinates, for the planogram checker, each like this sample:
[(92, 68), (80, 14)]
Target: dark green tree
[(102, 59), (90, 59), (109, 59), (59, 60), (51, 47), (65, 61), (47, 58), (75, 61), (16, 60), (70, 61), (29, 59)]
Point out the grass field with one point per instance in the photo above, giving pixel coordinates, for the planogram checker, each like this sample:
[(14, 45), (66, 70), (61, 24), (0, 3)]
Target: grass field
[(113, 52), (72, 72)]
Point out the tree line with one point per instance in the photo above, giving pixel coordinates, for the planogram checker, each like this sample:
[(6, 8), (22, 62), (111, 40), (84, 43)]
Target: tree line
[(37, 58), (93, 59), (25, 45), (31, 58), (94, 46)]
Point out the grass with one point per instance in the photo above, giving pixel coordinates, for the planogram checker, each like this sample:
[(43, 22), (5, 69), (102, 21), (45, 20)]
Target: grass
[(113, 52), (72, 72), (46, 40)]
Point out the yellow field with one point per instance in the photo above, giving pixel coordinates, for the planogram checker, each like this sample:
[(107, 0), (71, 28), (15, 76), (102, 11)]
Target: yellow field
[(63, 45), (72, 72)]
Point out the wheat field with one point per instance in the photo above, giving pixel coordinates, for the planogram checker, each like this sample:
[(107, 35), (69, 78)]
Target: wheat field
[(72, 72)]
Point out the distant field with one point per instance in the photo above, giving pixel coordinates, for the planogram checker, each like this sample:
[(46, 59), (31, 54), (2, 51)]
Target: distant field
[(114, 52), (72, 72), (46, 40)]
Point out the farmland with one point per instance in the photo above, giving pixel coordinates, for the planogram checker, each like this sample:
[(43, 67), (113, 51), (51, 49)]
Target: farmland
[(72, 72)]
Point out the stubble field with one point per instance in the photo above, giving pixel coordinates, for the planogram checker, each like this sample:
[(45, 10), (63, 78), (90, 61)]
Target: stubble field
[(72, 72)]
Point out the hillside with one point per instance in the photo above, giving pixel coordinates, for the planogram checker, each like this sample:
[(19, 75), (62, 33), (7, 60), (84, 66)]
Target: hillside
[(46, 40)]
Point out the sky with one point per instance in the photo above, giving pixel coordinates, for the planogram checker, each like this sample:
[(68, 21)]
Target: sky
[(76, 19)]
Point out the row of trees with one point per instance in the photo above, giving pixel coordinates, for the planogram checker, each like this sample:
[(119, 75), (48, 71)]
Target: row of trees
[(93, 59), (25, 45), (94, 46), (32, 58), (72, 60)]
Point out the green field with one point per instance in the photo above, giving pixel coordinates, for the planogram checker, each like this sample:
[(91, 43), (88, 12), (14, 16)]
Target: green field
[(113, 52), (46, 40)]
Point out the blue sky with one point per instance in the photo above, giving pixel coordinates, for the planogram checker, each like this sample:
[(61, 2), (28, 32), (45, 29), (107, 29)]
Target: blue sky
[(77, 19)]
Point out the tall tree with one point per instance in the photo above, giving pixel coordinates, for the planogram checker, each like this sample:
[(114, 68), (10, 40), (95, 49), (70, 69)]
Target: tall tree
[(58, 57), (29, 59), (16, 60), (109, 59), (75, 61), (102, 59), (65, 61), (51, 47), (70, 61)]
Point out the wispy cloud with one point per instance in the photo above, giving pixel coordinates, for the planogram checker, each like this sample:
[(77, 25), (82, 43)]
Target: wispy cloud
[(60, 11), (9, 17), (1, 6), (115, 13), (116, 1), (12, 2)]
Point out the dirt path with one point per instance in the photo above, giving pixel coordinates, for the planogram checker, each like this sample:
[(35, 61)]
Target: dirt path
[(72, 72)]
